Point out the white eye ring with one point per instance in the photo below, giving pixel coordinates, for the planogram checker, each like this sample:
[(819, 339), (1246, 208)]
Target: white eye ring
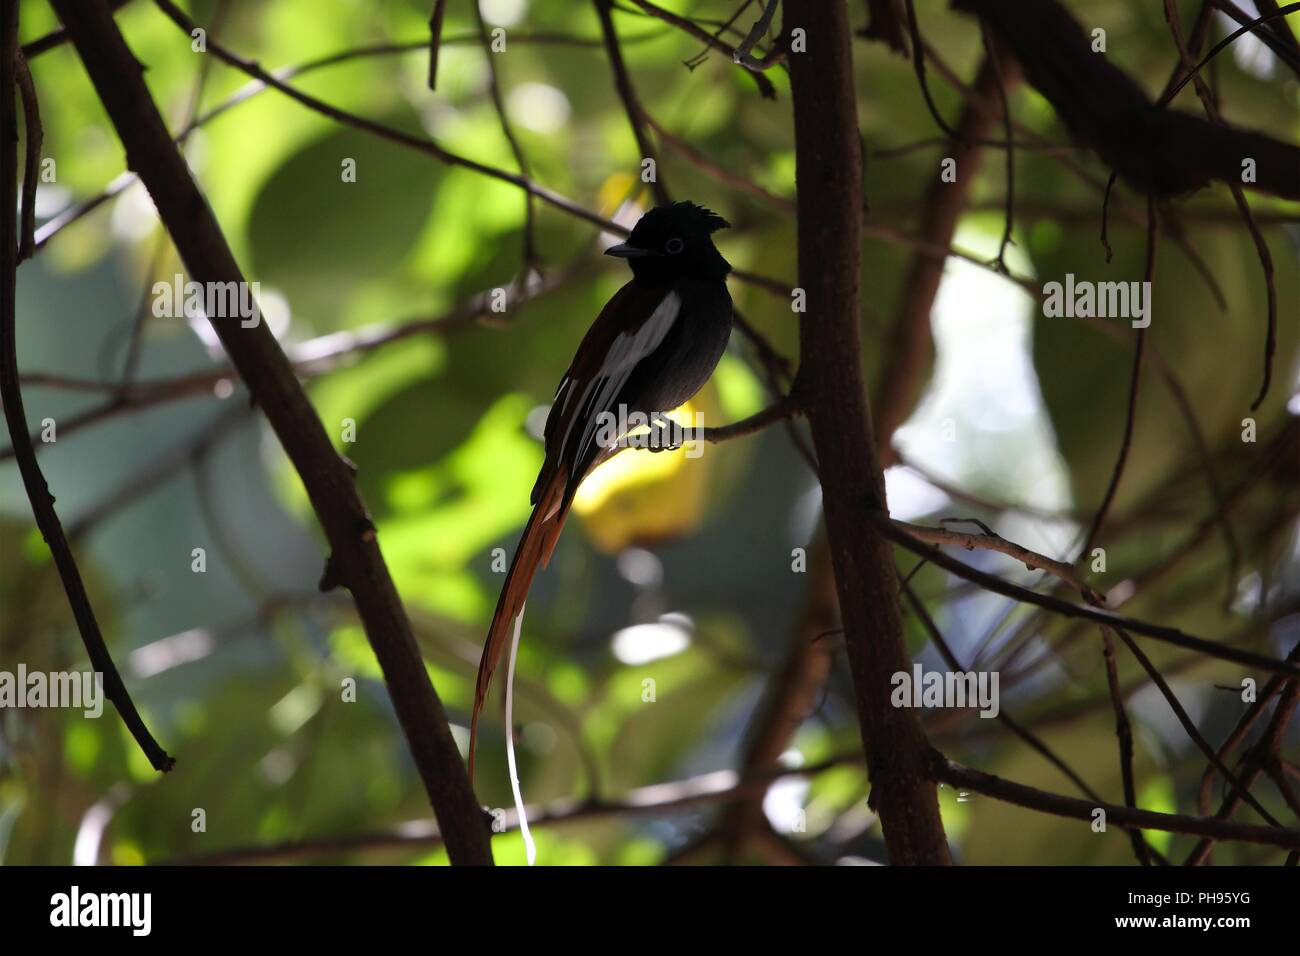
[(674, 246)]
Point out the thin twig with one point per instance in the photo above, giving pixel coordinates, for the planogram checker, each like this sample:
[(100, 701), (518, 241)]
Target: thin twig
[(1105, 216), (1130, 419), (1223, 44), (136, 340), (692, 62), (531, 258), (1289, 794), (1221, 505), (743, 56), (631, 105), (1248, 720), (776, 373), (158, 471), (993, 542), (35, 136), (42, 502), (1243, 206), (1190, 726), (1278, 38), (1265, 751), (918, 64), (990, 50), (1030, 738), (773, 57), (435, 38), (1031, 798), (1124, 734)]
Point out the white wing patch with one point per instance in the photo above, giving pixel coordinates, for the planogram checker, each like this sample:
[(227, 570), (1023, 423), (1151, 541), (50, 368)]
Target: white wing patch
[(626, 351)]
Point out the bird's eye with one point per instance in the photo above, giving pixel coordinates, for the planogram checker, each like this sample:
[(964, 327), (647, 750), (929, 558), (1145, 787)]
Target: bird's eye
[(674, 246)]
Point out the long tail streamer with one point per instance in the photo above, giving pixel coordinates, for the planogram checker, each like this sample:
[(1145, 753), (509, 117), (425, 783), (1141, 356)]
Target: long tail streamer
[(530, 848)]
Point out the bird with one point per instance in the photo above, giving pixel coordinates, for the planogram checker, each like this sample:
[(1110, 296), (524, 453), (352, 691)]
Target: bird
[(651, 348)]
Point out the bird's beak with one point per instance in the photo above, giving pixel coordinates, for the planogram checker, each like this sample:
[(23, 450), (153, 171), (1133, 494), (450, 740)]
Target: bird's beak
[(625, 251)]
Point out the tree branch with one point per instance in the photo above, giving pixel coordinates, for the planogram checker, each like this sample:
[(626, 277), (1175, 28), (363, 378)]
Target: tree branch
[(993, 542), (828, 169), (1031, 798)]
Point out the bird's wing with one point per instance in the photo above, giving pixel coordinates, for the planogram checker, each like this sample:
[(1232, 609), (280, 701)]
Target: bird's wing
[(630, 328), (628, 349)]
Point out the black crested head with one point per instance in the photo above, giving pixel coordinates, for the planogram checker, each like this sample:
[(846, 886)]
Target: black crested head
[(674, 241)]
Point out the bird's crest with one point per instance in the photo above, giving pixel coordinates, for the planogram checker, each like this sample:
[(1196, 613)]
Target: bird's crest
[(708, 220)]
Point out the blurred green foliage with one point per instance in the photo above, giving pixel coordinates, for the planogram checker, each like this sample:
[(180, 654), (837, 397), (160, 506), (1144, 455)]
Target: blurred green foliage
[(238, 670)]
